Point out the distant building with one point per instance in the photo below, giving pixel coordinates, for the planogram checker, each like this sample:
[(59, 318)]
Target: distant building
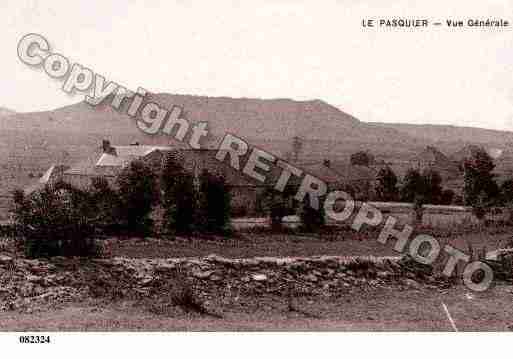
[(110, 162), (432, 158), (54, 174), (360, 180), (246, 192)]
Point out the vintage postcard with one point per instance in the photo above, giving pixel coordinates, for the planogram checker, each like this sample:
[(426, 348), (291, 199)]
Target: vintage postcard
[(292, 166)]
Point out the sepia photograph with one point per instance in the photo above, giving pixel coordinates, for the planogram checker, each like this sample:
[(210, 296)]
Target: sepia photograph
[(262, 166)]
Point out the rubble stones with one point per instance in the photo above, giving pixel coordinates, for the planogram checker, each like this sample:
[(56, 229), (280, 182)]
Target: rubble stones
[(383, 274), (202, 274), (29, 284), (411, 283), (215, 277), (259, 277), (34, 278), (146, 281), (5, 260), (310, 277)]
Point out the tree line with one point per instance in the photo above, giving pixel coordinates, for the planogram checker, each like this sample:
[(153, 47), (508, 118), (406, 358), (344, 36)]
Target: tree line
[(481, 189), (61, 219)]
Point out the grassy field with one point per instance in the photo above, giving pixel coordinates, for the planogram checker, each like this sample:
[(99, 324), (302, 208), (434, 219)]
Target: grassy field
[(340, 243)]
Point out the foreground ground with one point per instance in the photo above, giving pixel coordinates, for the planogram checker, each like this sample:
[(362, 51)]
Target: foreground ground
[(122, 293), (383, 309)]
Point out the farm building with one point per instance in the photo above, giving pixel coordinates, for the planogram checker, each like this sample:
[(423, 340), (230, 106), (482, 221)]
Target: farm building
[(356, 179), (246, 192)]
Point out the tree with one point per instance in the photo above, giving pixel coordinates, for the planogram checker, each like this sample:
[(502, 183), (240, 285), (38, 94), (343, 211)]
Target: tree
[(432, 186), (480, 186), (179, 197), (138, 194), (447, 197), (413, 185), (106, 204), (480, 189), (425, 188), (414, 190), (215, 202), (458, 200), (418, 209), (362, 158), (386, 188), (507, 191)]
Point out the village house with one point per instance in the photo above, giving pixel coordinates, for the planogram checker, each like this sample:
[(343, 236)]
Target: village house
[(358, 180), (247, 193)]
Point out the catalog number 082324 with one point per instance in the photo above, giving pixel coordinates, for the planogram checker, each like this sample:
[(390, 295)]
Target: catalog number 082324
[(34, 339)]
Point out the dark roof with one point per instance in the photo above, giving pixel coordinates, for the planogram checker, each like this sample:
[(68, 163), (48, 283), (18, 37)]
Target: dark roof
[(102, 164), (466, 152), (55, 171), (207, 160), (354, 173), (432, 154), (322, 172), (106, 164), (339, 172)]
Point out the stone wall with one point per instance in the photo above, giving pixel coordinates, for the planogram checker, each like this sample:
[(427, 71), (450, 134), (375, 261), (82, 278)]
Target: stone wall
[(435, 216), (26, 284)]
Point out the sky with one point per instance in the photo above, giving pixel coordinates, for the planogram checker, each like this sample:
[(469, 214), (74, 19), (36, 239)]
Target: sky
[(276, 49)]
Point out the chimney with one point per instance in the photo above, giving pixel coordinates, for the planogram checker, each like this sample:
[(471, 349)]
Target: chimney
[(107, 148), (326, 163)]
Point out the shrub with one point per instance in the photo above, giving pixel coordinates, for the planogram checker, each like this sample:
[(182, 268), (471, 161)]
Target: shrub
[(182, 294), (175, 288), (56, 221), (138, 193)]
